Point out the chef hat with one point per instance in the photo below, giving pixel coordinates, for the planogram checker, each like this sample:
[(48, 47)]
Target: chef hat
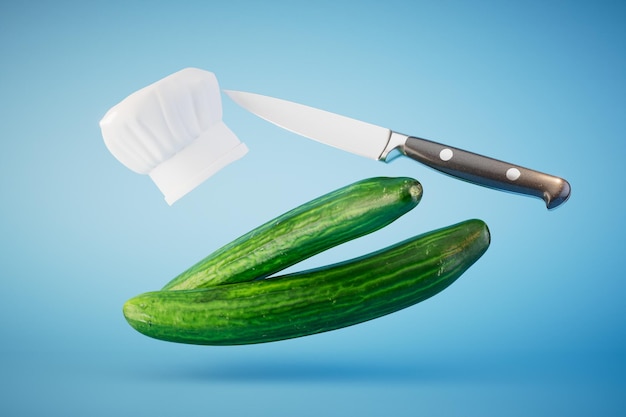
[(173, 131)]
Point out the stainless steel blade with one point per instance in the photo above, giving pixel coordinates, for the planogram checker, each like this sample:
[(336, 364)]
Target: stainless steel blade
[(341, 132)]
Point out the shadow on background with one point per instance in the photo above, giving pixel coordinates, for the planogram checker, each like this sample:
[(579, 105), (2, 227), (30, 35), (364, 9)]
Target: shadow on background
[(548, 367), (310, 371), (340, 369)]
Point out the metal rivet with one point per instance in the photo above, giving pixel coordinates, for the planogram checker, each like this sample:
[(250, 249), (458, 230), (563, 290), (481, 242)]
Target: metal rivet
[(446, 154), (513, 174)]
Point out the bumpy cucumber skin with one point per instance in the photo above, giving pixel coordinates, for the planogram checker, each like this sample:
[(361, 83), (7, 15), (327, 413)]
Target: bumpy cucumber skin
[(327, 221), (313, 301)]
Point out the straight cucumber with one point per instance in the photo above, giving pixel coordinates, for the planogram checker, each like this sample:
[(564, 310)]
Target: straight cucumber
[(313, 301), (327, 221)]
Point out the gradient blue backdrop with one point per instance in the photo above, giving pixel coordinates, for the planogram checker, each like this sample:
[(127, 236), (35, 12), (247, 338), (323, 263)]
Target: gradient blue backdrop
[(536, 327)]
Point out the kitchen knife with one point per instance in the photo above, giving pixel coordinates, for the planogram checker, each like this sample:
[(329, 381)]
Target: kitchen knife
[(383, 144)]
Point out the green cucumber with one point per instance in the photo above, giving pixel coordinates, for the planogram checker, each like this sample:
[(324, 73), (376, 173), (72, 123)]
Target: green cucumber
[(313, 301), (327, 221)]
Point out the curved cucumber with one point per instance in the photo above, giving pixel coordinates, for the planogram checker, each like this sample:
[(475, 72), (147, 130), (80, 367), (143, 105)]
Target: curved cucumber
[(313, 301), (327, 221)]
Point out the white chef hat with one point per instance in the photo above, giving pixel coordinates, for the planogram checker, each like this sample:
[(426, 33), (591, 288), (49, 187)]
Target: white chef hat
[(173, 131)]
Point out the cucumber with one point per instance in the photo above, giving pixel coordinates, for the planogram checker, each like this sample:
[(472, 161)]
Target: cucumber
[(327, 221), (316, 300)]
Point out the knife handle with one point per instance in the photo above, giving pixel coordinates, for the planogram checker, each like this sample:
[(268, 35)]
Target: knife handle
[(488, 172)]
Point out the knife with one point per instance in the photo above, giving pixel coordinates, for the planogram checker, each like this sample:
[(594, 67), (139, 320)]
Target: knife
[(383, 144)]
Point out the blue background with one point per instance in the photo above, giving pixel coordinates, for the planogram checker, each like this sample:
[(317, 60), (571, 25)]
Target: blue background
[(536, 327)]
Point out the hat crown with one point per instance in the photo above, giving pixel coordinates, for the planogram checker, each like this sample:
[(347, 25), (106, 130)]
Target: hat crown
[(154, 123)]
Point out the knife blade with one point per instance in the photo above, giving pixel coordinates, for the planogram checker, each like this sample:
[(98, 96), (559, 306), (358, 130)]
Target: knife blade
[(384, 144)]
